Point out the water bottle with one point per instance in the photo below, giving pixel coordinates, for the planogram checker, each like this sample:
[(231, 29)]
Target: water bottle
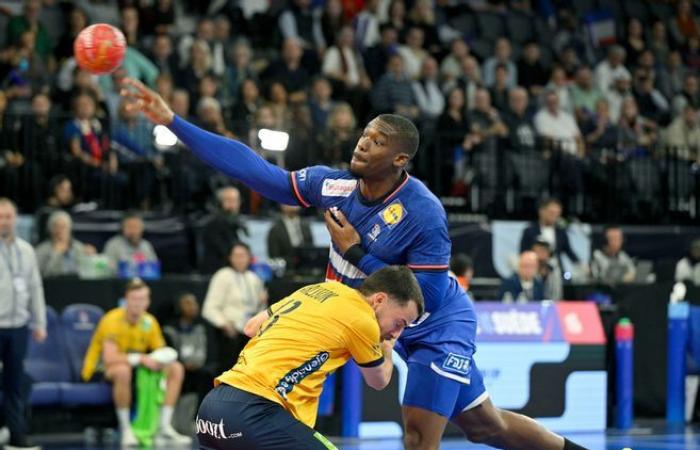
[(678, 313), (624, 380)]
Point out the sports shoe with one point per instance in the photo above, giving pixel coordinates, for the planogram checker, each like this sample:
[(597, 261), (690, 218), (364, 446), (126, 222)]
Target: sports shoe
[(128, 439), (168, 435), (4, 435)]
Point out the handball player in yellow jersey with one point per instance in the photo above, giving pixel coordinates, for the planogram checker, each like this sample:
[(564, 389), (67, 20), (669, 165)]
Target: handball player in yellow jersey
[(269, 399)]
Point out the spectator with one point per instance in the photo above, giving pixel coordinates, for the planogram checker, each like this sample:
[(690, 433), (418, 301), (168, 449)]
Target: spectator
[(658, 41), (289, 233), (77, 20), (622, 88), (422, 16), (503, 56), (130, 247), (224, 229), (22, 311), (246, 107), (180, 103), (199, 65), (60, 199), (499, 89), (569, 61), (557, 126), (204, 32), (338, 141), (547, 229), (393, 92), (599, 131), (451, 65), (485, 122), (61, 254), (288, 69), (611, 265), (548, 273), (377, 55), (462, 268), (238, 70), (235, 295), (652, 104), (25, 72), (320, 102), (220, 45), (29, 20), (532, 73), (688, 268), (332, 20), (469, 81), (612, 67), (453, 137), (427, 91), (190, 336), (523, 286), (636, 133), (159, 18), (163, 55), (684, 25), (122, 341), (634, 43), (672, 75), (689, 95), (413, 53), (584, 95), (559, 83), (130, 26), (521, 129), (211, 118), (397, 18), (682, 137), (301, 23)]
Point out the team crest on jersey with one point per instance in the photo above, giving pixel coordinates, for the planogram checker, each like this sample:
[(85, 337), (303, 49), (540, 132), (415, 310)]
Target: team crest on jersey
[(338, 188), (393, 214)]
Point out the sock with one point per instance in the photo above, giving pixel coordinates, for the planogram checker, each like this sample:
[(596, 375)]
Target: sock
[(166, 416), (568, 445), (124, 419)]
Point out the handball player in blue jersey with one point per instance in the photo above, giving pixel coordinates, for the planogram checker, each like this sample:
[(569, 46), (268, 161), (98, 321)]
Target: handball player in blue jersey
[(378, 215)]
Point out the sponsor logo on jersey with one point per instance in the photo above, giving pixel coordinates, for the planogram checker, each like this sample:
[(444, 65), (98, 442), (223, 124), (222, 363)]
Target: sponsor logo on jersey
[(374, 233), (393, 214), (457, 363), (338, 188), (215, 430), (297, 375)]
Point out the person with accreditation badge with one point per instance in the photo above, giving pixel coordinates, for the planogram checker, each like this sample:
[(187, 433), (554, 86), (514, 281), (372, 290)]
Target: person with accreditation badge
[(22, 311)]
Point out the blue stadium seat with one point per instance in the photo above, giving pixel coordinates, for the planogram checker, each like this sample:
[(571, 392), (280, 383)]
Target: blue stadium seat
[(79, 322), (46, 363)]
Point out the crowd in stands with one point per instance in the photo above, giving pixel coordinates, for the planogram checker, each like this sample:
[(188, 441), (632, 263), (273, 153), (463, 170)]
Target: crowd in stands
[(508, 94)]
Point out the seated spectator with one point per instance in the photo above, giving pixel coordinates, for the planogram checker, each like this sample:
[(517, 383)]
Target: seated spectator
[(60, 199), (338, 141), (238, 70), (523, 286), (558, 127), (622, 88), (610, 264), (61, 253), (301, 22), (599, 131), (235, 294), (224, 229), (129, 247), (548, 229), (163, 55), (502, 55), (462, 268), (688, 268), (287, 234), (610, 68), (485, 123), (682, 137), (671, 77), (377, 56), (468, 81), (521, 129), (422, 16), (77, 20), (559, 83), (211, 118), (547, 272), (289, 71), (393, 92), (189, 335), (451, 65), (532, 73), (689, 94), (636, 133), (684, 25), (453, 139), (413, 53), (320, 102), (427, 91), (122, 341), (243, 112), (499, 89), (30, 20), (23, 70), (584, 95), (652, 104), (658, 41), (633, 42), (199, 65)]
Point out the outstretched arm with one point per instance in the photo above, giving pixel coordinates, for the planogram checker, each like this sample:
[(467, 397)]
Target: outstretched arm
[(231, 157)]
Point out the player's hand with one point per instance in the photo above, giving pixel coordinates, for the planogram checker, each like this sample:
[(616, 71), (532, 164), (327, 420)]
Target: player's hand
[(39, 335), (141, 98), (150, 363), (342, 233)]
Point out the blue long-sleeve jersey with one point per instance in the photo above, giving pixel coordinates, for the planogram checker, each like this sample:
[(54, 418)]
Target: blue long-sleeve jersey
[(407, 226)]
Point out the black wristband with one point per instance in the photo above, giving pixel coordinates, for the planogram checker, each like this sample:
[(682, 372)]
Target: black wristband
[(354, 254)]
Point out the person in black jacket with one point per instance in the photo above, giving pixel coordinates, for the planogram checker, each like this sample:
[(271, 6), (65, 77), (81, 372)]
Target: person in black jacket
[(524, 286), (546, 228), (287, 234), (223, 230)]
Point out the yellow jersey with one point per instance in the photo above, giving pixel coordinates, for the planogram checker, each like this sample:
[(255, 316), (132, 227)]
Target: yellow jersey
[(308, 335), (142, 337)]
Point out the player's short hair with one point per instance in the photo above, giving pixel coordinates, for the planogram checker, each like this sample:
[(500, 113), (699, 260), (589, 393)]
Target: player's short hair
[(403, 132), (398, 282), (134, 284)]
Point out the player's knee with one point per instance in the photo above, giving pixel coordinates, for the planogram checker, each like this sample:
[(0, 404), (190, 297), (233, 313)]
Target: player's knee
[(414, 440), (120, 374), (175, 371)]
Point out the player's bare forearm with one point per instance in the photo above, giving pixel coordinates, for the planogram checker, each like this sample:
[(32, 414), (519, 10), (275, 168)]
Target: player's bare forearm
[(253, 325)]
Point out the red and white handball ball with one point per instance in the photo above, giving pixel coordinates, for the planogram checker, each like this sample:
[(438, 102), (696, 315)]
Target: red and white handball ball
[(100, 48)]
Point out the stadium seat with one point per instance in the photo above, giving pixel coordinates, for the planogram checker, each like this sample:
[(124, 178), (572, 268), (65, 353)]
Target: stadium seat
[(659, 10), (79, 322), (520, 27), (465, 24), (637, 9), (582, 7), (491, 25), (46, 363)]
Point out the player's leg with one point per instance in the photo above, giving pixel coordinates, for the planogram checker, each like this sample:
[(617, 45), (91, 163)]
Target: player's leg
[(428, 401), (174, 376), (121, 376)]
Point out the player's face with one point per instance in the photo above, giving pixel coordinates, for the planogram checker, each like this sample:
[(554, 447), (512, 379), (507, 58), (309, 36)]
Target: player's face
[(137, 302), (392, 317), (374, 156)]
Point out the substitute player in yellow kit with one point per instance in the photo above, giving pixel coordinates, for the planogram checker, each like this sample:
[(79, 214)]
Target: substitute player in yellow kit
[(269, 399)]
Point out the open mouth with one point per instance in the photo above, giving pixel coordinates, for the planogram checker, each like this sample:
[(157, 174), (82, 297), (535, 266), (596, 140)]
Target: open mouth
[(357, 158)]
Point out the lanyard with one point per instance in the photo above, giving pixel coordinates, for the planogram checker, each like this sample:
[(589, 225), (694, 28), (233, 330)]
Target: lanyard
[(7, 257)]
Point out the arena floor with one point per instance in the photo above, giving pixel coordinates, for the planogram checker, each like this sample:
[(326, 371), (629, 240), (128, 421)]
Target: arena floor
[(648, 438)]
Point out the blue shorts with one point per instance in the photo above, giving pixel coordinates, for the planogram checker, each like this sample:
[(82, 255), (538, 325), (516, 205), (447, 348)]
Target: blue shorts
[(439, 352)]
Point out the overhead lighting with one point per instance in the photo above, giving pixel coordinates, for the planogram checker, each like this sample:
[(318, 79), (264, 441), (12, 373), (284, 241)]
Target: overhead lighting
[(275, 141)]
